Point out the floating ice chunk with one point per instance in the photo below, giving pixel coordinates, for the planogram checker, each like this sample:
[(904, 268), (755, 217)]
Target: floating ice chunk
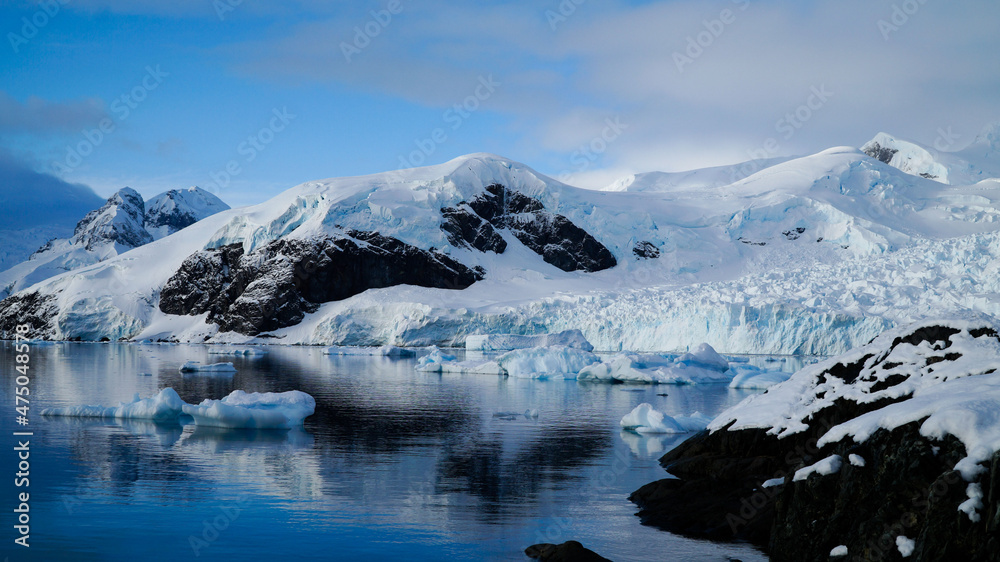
[(662, 369), (165, 406), (247, 352), (856, 460), (531, 413), (195, 367), (510, 342), (774, 482), (972, 505), (383, 351), (705, 356), (431, 363), (838, 551), (254, 410), (905, 546), (645, 419), (546, 362), (748, 376), (827, 466)]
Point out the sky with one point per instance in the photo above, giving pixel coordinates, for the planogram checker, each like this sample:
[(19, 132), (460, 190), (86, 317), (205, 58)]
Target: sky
[(247, 98)]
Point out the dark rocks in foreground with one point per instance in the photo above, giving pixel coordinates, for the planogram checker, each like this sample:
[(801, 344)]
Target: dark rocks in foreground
[(569, 551), (32, 309), (907, 486), (275, 286)]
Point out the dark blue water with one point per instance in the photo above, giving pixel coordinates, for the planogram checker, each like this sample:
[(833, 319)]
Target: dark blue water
[(395, 464)]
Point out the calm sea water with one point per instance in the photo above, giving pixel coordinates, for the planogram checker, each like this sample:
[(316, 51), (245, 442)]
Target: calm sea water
[(395, 464)]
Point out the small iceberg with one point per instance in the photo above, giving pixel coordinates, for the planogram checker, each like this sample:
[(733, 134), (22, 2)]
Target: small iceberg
[(546, 362), (195, 367), (748, 376), (238, 410), (645, 419), (164, 407), (703, 365), (254, 410)]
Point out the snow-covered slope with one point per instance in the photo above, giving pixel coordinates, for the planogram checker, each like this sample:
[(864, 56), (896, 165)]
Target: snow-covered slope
[(124, 222), (176, 209), (977, 162), (813, 255), (703, 178)]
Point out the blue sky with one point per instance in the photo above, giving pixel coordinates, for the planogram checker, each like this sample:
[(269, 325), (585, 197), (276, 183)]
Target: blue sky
[(248, 98)]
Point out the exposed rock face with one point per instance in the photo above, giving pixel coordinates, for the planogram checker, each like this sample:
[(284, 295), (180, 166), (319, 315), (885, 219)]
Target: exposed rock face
[(898, 483), (550, 235), (645, 250), (879, 152), (32, 309), (569, 551), (275, 286)]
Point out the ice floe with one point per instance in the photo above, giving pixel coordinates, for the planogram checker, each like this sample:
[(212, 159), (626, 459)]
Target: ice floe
[(645, 419)]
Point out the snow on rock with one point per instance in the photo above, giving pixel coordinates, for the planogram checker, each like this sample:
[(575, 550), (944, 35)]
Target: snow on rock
[(856, 460), (176, 209), (164, 407), (838, 551), (546, 362), (703, 365), (750, 377), (254, 410), (195, 367), (645, 419), (509, 342), (974, 504), (825, 467), (905, 546), (773, 483)]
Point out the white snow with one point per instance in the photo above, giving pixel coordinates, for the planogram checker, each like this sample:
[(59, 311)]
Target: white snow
[(838, 551), (509, 342), (825, 467), (856, 460), (905, 546), (255, 410), (546, 362), (195, 367), (972, 505), (645, 419), (772, 483)]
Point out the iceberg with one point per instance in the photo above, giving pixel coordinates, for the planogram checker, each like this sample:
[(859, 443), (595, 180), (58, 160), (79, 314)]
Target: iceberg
[(238, 410), (748, 376), (249, 352), (645, 419), (384, 351), (254, 410), (546, 362), (164, 407), (195, 367), (703, 365)]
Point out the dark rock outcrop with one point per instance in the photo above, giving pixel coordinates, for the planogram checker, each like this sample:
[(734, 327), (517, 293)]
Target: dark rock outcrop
[(32, 309), (880, 153), (550, 235), (569, 551), (645, 250), (275, 286), (906, 487)]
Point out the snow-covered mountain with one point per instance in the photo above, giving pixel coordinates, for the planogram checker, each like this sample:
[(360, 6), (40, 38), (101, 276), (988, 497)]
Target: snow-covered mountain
[(121, 224), (979, 161), (812, 255)]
